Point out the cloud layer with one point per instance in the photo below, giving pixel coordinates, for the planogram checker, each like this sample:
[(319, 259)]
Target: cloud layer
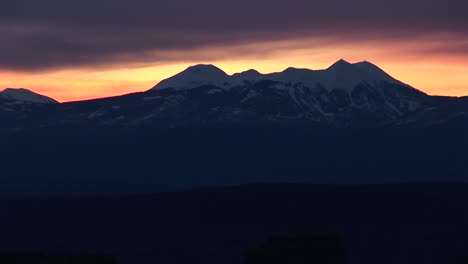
[(49, 34)]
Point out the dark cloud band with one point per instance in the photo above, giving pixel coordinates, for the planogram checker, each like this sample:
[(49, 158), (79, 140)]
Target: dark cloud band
[(39, 35)]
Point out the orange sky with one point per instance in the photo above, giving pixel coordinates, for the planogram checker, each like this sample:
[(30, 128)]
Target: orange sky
[(436, 73)]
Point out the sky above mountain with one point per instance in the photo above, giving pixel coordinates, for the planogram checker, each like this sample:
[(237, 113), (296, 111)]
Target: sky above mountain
[(73, 50)]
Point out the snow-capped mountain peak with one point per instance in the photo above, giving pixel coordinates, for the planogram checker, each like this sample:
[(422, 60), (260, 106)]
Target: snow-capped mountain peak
[(205, 69), (340, 64), (340, 75), (24, 95), (249, 75), (194, 76), (371, 71), (345, 75), (295, 75)]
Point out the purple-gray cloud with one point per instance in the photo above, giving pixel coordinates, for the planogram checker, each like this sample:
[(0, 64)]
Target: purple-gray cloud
[(38, 35)]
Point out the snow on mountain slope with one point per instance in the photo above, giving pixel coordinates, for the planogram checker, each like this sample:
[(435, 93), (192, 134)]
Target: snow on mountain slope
[(341, 75), (250, 75), (195, 76), (344, 95), (344, 75), (24, 95)]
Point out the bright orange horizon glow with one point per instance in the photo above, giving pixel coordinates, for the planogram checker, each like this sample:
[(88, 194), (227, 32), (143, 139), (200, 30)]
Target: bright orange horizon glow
[(435, 74)]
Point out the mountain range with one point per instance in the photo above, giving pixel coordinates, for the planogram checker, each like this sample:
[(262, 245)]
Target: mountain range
[(205, 166), (343, 95), (350, 123)]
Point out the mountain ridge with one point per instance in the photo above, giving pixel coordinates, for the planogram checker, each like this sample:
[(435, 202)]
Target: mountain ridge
[(341, 74), (256, 131), (343, 95), (25, 95)]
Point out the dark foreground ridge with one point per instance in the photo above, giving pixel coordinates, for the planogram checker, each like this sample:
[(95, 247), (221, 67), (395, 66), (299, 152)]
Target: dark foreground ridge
[(32, 258), (109, 161), (407, 224), (299, 249)]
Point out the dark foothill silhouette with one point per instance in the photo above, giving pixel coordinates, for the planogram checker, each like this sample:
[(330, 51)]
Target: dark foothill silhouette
[(33, 258), (299, 249)]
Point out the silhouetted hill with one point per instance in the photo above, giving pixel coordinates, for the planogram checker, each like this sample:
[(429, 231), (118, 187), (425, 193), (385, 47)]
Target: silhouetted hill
[(31, 258), (299, 249), (383, 224), (84, 160)]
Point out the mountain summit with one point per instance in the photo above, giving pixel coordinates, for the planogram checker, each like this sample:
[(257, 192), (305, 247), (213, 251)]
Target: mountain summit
[(195, 76), (340, 75), (344, 94), (24, 95)]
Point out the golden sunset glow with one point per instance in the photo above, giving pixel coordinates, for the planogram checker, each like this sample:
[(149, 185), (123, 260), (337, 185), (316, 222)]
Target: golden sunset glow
[(433, 73)]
